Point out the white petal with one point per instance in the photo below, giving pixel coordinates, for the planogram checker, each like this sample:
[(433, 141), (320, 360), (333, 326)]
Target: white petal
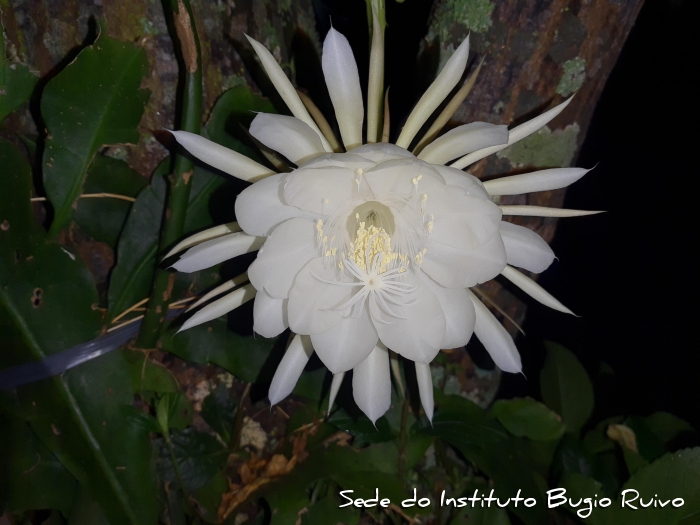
[(335, 386), (516, 134), (290, 368), (462, 140), (396, 176), (371, 384), (417, 335), (461, 220), (425, 388), (466, 181), (222, 158), (320, 190), (525, 249), (459, 314), (287, 135), (437, 92), (339, 160), (269, 315), (497, 341), (542, 211), (285, 89), (347, 344), (312, 301), (221, 306), (290, 247), (209, 253), (544, 180), (211, 233), (259, 208), (456, 268), (382, 152), (450, 108), (533, 289), (343, 81), (228, 285)]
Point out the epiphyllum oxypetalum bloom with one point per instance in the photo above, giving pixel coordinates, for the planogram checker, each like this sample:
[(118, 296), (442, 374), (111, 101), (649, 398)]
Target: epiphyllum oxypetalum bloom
[(374, 248)]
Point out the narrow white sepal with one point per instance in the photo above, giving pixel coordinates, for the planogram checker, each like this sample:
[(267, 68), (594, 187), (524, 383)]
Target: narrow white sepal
[(290, 368), (335, 386), (206, 235), (462, 140), (343, 81), (371, 383), (222, 158), (516, 134), (496, 339), (285, 89), (228, 285), (437, 92), (543, 211), (375, 85), (289, 136), (543, 180), (533, 289), (221, 306), (215, 251), (425, 388)]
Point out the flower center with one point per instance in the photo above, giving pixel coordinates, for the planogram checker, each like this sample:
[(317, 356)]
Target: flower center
[(372, 213)]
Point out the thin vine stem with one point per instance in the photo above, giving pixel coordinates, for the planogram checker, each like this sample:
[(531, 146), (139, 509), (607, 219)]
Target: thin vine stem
[(180, 13)]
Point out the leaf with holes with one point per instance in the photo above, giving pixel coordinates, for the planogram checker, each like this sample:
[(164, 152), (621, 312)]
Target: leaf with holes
[(95, 100), (47, 299)]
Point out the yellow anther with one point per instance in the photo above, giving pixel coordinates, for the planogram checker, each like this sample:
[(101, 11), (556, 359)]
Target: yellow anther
[(425, 197), (327, 200)]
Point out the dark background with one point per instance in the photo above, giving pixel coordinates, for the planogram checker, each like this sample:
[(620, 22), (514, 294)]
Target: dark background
[(631, 273)]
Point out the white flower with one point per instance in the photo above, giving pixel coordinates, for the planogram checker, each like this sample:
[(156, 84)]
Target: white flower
[(374, 248)]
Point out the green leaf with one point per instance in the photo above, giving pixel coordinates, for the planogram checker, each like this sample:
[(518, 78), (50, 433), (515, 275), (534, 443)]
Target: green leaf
[(328, 511), (138, 245), (16, 83), (485, 516), (85, 511), (199, 457), (147, 376), (46, 305), (131, 278), (362, 428), (219, 410), (103, 218), (566, 387), (649, 445), (462, 423), (673, 476), (310, 384), (528, 418), (95, 100), (33, 477), (667, 426), (209, 497), (213, 342)]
